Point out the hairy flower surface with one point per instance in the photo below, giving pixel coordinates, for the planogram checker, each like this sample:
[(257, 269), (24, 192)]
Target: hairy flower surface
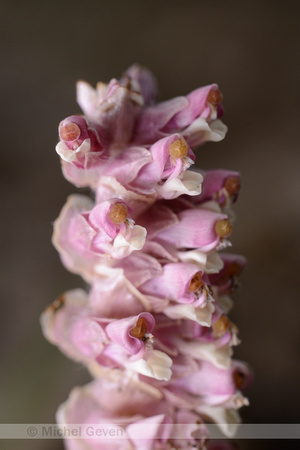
[(153, 326)]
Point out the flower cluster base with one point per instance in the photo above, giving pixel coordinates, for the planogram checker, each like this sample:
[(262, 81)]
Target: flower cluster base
[(153, 328)]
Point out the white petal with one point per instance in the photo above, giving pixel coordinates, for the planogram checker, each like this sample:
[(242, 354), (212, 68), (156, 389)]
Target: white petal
[(211, 206), (218, 129), (71, 155), (123, 247), (200, 131), (155, 364), (219, 357), (189, 184), (201, 315), (236, 401), (227, 419), (211, 263), (87, 98)]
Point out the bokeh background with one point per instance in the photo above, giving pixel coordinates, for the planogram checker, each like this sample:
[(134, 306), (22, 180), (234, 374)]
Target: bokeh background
[(251, 49)]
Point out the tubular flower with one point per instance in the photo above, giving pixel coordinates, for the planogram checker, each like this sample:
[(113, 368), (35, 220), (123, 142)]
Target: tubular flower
[(153, 326)]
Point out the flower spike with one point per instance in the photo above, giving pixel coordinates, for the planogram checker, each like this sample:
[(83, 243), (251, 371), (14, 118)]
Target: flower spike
[(153, 326)]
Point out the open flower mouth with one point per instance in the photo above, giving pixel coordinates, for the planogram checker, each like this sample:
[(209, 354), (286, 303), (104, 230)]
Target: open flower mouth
[(140, 329)]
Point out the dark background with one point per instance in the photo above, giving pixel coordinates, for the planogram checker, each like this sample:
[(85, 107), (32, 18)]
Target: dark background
[(251, 49)]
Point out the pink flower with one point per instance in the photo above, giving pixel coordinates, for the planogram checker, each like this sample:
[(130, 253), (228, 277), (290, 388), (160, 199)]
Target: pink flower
[(201, 229), (84, 234), (212, 385), (80, 142), (98, 341), (145, 420), (195, 116), (166, 175), (185, 288), (223, 186), (227, 280)]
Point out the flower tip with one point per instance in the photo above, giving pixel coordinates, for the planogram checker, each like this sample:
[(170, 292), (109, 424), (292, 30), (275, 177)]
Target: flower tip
[(223, 228), (239, 379), (214, 97), (232, 185), (118, 213), (178, 149), (69, 132)]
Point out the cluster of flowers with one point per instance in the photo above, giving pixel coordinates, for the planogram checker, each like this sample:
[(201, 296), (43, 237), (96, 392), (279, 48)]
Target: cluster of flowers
[(153, 328)]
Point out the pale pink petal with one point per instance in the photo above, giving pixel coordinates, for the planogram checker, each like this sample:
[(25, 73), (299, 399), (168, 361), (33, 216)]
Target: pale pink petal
[(173, 283), (72, 235), (196, 229), (197, 106), (147, 433), (147, 84), (154, 118)]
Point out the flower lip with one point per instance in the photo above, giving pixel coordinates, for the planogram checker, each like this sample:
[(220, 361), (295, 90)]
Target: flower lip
[(178, 149), (140, 329), (118, 213), (69, 132), (214, 97), (232, 185), (223, 228)]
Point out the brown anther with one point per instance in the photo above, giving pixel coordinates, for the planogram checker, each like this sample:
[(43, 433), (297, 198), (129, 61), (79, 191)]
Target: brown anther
[(69, 132), (58, 303), (239, 379), (221, 326), (118, 213), (178, 149), (231, 273), (140, 329), (214, 97), (196, 282), (223, 228), (233, 270), (232, 185)]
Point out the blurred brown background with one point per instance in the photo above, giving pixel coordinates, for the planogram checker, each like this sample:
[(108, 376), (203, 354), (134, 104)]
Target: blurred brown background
[(251, 49)]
